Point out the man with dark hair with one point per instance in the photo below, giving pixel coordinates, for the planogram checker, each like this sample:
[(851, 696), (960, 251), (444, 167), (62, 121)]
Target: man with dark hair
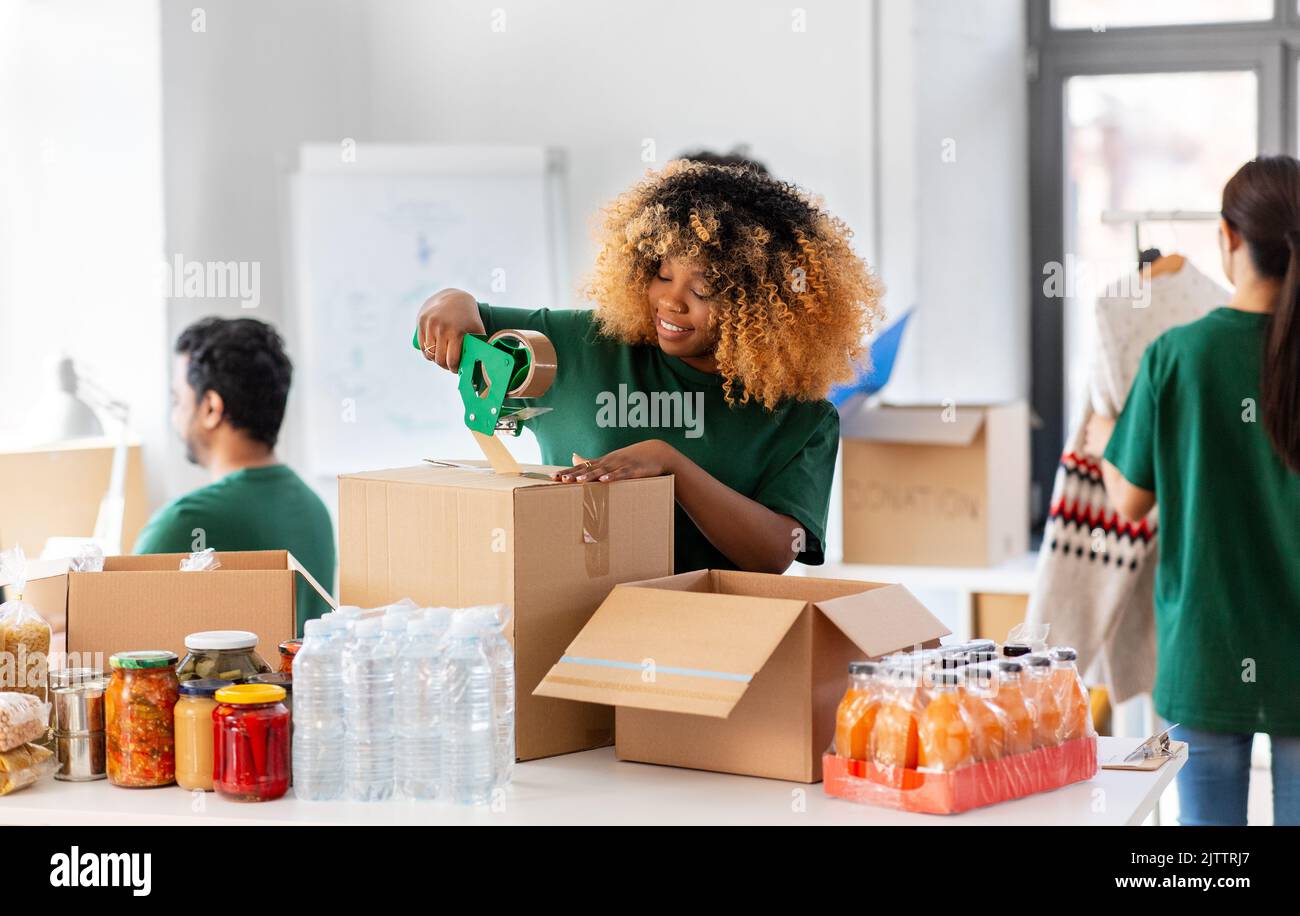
[(230, 383)]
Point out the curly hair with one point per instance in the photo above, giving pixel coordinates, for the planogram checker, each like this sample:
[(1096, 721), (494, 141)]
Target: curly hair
[(791, 302), (243, 360)]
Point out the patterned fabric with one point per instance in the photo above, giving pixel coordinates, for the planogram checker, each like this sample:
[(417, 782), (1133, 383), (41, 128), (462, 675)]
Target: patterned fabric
[(1096, 572)]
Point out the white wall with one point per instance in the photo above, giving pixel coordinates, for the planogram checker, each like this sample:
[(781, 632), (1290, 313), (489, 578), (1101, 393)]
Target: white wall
[(81, 206), (955, 241), (596, 79)]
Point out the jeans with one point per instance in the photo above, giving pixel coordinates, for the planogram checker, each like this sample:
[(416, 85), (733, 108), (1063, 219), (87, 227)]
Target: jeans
[(1214, 783)]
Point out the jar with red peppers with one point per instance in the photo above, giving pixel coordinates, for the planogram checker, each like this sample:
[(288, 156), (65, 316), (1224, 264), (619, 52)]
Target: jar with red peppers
[(138, 719), (288, 649), (251, 743)]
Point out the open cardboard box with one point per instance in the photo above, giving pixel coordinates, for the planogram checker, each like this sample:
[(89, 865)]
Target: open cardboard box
[(146, 602), (731, 671), (455, 534), (936, 486)]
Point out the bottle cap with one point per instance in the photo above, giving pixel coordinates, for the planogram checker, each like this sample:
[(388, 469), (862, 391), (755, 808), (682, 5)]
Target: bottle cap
[(318, 627), (863, 667), (1007, 666), (1036, 661), (1015, 649), (1064, 654), (370, 626)]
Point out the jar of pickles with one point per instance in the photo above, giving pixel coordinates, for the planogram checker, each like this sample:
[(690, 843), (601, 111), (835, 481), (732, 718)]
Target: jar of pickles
[(194, 733), (229, 655), (251, 743), (139, 729)]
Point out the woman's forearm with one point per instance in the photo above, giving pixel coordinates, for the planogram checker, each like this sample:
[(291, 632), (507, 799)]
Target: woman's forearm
[(748, 533)]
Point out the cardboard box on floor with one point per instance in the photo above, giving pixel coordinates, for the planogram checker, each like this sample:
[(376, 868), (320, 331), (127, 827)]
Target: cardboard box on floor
[(936, 486), (146, 602), (734, 672), (456, 535)]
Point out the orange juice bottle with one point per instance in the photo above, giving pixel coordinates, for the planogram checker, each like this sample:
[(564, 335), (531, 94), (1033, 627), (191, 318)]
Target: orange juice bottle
[(893, 736), (1010, 697), (1071, 695), (1043, 706), (988, 723), (856, 715), (943, 730)]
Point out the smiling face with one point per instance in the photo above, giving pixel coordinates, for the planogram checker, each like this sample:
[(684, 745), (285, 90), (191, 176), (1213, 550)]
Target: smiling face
[(681, 302)]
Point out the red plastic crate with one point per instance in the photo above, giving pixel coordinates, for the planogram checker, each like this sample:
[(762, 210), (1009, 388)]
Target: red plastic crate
[(973, 786)]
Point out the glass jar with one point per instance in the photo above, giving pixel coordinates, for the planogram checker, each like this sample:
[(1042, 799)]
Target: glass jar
[(139, 723), (288, 649), (194, 733), (251, 743), (228, 655)]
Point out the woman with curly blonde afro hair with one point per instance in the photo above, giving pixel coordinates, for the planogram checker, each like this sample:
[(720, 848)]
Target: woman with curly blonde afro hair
[(727, 303)]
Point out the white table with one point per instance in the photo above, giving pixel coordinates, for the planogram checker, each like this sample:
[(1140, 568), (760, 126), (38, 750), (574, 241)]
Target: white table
[(595, 788)]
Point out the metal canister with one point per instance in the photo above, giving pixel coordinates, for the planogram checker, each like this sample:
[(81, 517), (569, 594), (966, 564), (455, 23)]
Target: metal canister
[(77, 695)]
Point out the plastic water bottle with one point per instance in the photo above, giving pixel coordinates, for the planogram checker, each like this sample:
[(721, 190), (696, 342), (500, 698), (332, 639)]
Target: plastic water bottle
[(467, 708), (502, 657), (394, 627), (419, 712), (368, 709), (318, 733)]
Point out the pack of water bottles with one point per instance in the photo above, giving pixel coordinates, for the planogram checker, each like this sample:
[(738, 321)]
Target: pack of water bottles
[(404, 702), (961, 726)]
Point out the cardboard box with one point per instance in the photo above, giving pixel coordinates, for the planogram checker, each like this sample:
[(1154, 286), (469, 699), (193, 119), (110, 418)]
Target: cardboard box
[(996, 613), (146, 602), (459, 535), (731, 671), (936, 487)]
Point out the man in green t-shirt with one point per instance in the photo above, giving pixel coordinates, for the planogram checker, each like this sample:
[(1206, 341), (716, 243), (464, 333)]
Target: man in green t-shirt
[(230, 383)]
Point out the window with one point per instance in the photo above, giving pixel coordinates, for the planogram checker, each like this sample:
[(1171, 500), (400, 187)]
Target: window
[(1145, 142), (1138, 106), (1098, 15)]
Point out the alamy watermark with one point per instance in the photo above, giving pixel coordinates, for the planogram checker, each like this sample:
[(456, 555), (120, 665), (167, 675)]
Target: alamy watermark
[(184, 279), (1085, 279), (655, 409)]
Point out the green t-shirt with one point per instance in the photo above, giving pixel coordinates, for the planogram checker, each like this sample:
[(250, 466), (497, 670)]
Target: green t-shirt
[(264, 508), (1228, 581), (608, 395)]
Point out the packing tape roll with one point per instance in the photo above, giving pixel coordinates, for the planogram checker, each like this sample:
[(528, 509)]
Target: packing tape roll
[(541, 363)]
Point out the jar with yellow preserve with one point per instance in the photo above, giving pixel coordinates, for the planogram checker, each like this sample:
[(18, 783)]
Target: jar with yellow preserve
[(228, 655), (194, 733)]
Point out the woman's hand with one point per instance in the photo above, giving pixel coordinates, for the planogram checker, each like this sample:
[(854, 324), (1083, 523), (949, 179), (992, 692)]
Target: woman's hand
[(445, 318), (1097, 433), (652, 458)]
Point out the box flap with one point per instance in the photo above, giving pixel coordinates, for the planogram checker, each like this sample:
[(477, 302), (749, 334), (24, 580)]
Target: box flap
[(934, 425), (472, 475), (670, 650), (883, 620)]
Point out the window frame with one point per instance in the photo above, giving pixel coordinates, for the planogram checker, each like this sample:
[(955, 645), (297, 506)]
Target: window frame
[(1270, 48)]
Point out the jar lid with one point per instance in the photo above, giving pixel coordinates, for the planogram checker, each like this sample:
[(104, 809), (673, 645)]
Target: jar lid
[(218, 640), (275, 679), (250, 694), (147, 658), (203, 687)]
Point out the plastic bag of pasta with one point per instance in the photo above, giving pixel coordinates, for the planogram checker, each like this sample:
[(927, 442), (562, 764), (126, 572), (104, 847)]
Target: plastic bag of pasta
[(24, 634), (24, 766)]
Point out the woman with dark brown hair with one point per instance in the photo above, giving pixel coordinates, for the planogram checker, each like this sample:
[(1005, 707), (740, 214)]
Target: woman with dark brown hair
[(1211, 430)]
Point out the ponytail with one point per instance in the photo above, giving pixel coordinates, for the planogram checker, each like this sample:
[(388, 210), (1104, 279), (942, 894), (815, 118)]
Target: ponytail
[(1280, 373), (1262, 203)]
